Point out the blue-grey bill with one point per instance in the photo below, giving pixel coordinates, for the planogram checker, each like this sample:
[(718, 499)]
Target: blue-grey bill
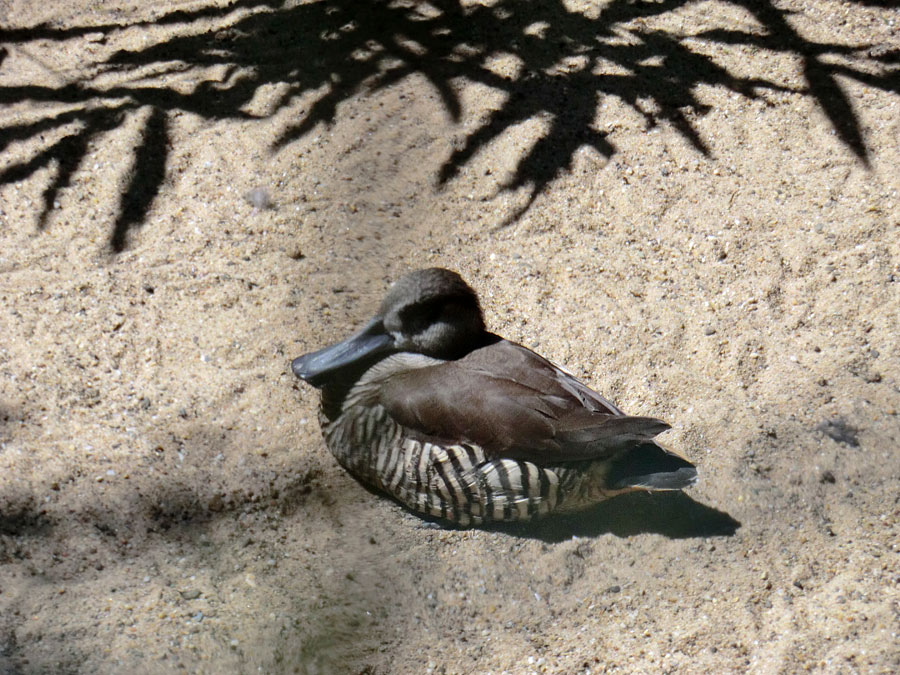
[(316, 367)]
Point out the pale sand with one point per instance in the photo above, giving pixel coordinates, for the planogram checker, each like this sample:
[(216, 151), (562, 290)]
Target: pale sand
[(166, 500)]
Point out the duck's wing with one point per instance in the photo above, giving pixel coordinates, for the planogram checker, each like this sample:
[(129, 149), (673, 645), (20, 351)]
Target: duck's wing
[(521, 365), (514, 404)]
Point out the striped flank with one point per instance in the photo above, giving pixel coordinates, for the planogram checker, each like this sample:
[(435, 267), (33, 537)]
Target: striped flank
[(454, 482)]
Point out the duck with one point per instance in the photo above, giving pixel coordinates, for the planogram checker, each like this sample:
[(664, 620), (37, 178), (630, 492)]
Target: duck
[(462, 426)]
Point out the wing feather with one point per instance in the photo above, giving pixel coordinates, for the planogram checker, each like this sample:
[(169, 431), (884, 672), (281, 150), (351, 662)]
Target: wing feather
[(515, 405)]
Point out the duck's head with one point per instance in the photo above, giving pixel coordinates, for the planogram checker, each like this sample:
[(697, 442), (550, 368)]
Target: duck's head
[(431, 312)]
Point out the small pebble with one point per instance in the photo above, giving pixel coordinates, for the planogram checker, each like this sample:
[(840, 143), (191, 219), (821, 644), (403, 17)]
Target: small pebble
[(259, 198), (216, 503), (709, 330), (838, 430)]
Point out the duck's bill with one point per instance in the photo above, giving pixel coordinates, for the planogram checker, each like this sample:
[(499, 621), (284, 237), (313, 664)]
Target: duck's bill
[(366, 345)]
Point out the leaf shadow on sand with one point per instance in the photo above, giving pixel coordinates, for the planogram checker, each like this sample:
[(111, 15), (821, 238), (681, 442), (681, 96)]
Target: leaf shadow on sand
[(220, 62), (95, 533)]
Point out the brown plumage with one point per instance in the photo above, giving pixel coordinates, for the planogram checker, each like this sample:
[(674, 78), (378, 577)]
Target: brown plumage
[(455, 422)]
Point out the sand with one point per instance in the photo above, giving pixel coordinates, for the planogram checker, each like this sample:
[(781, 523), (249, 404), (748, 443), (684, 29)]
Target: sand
[(693, 206)]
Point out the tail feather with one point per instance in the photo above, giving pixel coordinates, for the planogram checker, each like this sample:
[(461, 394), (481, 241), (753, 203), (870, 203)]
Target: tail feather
[(587, 437), (651, 467)]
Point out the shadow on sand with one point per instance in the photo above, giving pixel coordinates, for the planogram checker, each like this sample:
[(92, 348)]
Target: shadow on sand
[(671, 514), (221, 62)]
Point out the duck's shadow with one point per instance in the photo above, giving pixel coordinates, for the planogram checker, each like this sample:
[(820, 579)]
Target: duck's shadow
[(671, 514)]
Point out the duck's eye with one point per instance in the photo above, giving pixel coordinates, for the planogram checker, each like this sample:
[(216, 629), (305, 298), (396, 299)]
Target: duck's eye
[(416, 318)]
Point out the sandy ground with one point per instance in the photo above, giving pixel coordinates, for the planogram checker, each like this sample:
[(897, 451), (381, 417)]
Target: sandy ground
[(694, 206)]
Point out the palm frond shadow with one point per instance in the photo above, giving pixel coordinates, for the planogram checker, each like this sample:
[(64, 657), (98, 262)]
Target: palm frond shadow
[(563, 64), (127, 522)]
